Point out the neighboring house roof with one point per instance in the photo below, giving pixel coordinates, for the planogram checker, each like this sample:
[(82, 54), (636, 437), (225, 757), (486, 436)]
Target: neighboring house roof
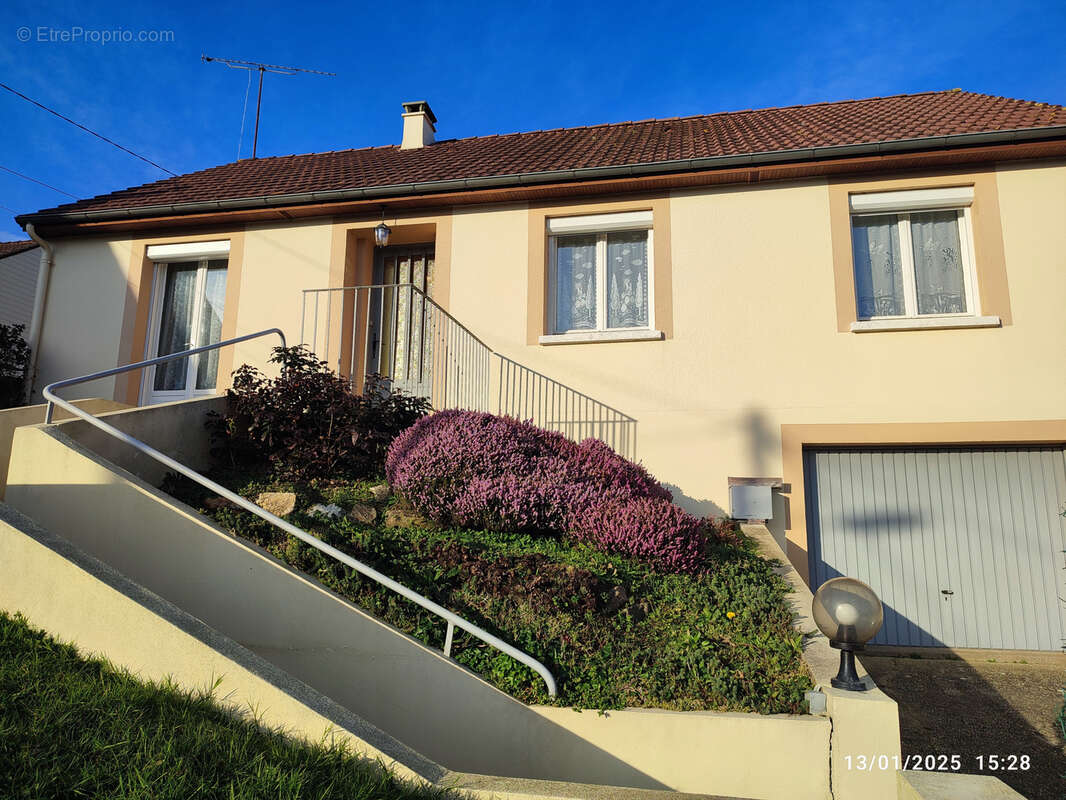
[(822, 130), (13, 248)]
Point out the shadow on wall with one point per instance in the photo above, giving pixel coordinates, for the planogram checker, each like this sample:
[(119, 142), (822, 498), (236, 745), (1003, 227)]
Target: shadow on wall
[(763, 441), (898, 628), (781, 521), (763, 445), (699, 508)]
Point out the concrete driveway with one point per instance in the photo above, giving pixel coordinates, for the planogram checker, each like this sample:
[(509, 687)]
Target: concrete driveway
[(982, 703)]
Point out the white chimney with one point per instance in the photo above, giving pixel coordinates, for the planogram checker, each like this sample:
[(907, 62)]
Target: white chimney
[(419, 125)]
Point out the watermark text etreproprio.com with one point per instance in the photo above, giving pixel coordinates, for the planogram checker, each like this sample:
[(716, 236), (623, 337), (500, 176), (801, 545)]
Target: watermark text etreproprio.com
[(77, 34)]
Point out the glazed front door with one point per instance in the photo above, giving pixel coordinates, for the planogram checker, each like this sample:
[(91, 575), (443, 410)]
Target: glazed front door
[(397, 339)]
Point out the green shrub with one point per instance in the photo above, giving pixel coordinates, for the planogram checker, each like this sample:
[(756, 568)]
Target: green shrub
[(615, 631), (14, 360), (307, 422)]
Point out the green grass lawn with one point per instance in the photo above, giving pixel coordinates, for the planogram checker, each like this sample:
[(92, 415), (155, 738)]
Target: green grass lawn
[(614, 631), (73, 727)]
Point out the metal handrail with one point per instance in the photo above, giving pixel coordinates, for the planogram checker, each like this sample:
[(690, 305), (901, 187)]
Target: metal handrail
[(582, 395), (530, 392), (453, 620), (407, 285)]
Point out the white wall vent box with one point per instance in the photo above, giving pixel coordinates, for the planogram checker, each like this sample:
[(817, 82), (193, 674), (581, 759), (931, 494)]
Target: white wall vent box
[(748, 501)]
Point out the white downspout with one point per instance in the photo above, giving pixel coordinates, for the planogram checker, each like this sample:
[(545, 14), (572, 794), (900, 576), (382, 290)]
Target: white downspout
[(40, 299)]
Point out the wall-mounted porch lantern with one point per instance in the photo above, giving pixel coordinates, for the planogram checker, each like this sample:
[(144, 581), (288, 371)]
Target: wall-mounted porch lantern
[(849, 613), (381, 232)]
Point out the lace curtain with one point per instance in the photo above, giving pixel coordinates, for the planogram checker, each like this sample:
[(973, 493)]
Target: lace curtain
[(878, 266), (627, 280), (175, 332), (576, 282), (211, 323), (937, 263)]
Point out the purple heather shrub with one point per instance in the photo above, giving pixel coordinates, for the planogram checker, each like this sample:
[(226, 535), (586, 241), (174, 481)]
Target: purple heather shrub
[(610, 472), (649, 529), (479, 470)]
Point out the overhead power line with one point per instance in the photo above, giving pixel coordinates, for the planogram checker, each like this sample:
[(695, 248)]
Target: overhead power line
[(34, 180), (87, 130), (236, 63)]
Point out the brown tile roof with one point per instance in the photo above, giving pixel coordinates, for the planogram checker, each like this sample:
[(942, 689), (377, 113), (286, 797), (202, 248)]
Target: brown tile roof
[(14, 248), (850, 122)]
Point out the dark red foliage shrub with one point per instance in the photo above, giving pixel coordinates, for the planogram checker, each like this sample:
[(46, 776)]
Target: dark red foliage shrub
[(479, 470), (650, 529), (306, 423), (724, 531), (14, 359)]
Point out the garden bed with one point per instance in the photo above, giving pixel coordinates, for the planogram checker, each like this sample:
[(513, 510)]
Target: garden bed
[(616, 632)]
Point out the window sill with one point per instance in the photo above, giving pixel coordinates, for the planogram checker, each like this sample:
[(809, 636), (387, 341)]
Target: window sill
[(585, 337), (923, 323)]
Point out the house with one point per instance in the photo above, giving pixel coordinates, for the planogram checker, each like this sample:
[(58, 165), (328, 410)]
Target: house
[(19, 263), (857, 304)]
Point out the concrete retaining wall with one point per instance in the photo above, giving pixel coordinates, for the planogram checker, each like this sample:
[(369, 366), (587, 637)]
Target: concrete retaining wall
[(414, 693), (78, 599), (11, 418)]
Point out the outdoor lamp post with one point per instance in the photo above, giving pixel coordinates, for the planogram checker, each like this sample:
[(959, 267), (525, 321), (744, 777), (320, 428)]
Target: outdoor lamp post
[(849, 613), (381, 232)]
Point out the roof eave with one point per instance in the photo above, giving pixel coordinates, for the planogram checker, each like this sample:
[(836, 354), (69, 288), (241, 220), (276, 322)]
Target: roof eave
[(927, 143)]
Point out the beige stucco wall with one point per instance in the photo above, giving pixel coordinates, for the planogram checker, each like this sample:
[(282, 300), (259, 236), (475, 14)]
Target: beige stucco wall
[(279, 262), (96, 294), (756, 343), (83, 317)]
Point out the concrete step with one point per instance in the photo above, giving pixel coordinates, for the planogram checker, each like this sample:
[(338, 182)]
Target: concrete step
[(490, 787)]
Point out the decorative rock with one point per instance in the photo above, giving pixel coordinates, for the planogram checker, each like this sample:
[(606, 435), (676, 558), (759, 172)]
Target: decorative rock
[(332, 511), (616, 599), (397, 517), (277, 503), (215, 503), (638, 612), (361, 512), (380, 492)]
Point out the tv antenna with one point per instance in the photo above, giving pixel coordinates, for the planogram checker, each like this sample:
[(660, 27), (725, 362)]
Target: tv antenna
[(262, 69)]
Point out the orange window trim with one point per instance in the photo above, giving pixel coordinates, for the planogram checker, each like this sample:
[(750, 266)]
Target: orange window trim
[(537, 323), (989, 256), (139, 290)]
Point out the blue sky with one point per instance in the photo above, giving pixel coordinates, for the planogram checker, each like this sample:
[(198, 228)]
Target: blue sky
[(486, 67)]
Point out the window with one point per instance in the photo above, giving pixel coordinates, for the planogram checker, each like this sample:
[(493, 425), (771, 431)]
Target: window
[(187, 311), (913, 255), (601, 278)]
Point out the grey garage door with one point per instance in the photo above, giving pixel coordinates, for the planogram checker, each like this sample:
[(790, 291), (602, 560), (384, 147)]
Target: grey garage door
[(965, 546)]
